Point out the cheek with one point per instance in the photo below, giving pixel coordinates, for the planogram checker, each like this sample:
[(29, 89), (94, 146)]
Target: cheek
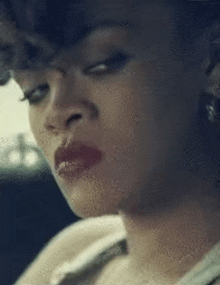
[(32, 122), (43, 140), (129, 115), (36, 126)]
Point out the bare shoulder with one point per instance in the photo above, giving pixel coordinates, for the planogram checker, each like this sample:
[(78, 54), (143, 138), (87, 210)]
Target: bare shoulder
[(66, 245)]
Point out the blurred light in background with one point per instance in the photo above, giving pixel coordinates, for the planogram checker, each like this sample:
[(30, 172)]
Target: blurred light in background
[(14, 157), (31, 158), (18, 149), (13, 113)]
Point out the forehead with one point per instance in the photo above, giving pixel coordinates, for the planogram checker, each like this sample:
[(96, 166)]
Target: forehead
[(146, 20), (125, 10)]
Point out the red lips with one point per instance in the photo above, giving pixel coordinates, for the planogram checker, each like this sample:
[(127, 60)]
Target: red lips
[(76, 151)]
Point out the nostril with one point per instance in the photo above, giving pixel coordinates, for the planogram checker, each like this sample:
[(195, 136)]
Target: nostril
[(74, 117)]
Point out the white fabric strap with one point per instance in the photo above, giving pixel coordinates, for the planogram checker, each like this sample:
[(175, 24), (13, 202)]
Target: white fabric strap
[(86, 257), (206, 270)]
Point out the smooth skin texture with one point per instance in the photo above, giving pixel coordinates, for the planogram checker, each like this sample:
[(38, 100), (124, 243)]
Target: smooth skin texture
[(140, 116)]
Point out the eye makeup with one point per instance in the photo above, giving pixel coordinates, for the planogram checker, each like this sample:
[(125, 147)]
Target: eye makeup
[(36, 95), (112, 64)]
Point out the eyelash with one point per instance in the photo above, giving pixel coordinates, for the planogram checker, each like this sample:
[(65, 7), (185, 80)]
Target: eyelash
[(113, 64), (29, 95)]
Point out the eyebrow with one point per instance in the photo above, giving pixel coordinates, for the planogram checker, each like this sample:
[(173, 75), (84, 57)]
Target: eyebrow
[(86, 32), (91, 28)]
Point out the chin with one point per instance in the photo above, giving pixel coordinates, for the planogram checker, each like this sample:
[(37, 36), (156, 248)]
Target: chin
[(91, 198), (89, 211), (91, 207)]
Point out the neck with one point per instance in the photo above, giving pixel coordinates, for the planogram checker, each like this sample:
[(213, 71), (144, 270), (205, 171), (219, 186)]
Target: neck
[(170, 243)]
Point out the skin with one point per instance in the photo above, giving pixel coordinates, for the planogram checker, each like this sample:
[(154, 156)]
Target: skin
[(140, 117)]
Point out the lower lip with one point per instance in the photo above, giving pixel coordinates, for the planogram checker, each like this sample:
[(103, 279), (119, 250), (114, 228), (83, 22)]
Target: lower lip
[(74, 169)]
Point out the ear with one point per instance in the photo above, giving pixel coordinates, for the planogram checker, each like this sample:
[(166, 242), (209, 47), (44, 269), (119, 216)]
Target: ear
[(210, 54), (212, 68)]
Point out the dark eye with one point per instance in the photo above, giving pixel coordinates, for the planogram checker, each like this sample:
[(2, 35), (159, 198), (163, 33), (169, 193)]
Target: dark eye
[(112, 64), (37, 94)]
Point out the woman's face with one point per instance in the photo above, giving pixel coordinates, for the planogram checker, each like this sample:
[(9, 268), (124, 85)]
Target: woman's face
[(134, 99)]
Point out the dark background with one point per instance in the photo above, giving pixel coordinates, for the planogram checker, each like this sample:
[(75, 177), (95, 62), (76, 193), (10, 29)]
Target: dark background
[(32, 211)]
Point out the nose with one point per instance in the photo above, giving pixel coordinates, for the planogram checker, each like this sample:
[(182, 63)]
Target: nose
[(69, 103)]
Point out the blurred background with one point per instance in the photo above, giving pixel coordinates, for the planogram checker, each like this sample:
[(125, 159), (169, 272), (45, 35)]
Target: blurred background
[(32, 209)]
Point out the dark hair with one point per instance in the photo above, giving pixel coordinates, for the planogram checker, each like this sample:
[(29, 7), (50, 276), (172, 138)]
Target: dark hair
[(33, 31)]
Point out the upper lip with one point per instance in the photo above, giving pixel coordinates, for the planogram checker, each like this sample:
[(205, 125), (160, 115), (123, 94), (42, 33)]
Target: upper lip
[(76, 150)]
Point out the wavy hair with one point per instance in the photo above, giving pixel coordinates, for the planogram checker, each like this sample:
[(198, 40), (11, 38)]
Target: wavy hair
[(33, 31)]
